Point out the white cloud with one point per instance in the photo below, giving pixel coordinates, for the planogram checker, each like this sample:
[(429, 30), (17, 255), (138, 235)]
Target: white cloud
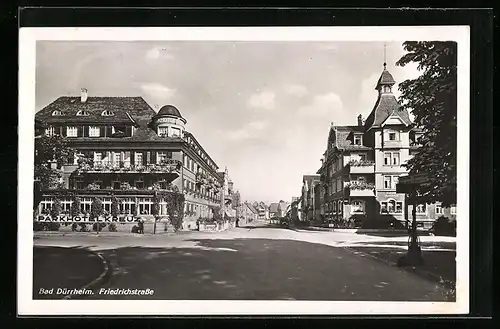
[(263, 100), (296, 90), (323, 106), (248, 131), (157, 91), (156, 52)]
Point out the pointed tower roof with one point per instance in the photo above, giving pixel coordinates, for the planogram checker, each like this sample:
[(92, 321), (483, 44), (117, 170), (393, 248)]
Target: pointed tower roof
[(386, 104), (385, 79)]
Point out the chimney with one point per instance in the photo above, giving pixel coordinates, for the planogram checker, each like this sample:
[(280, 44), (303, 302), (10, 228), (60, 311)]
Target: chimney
[(84, 95), (360, 120)]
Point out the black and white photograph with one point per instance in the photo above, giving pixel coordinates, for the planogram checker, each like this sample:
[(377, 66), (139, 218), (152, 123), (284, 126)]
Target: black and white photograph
[(244, 170)]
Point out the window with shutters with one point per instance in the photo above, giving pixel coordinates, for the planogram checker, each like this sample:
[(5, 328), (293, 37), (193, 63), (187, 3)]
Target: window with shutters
[(98, 158), (94, 131), (49, 131), (71, 132), (117, 158), (163, 131), (138, 159), (439, 209), (161, 156)]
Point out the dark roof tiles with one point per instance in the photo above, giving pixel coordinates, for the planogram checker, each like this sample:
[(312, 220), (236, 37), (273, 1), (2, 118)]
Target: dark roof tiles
[(125, 110), (386, 106), (169, 110), (385, 79)]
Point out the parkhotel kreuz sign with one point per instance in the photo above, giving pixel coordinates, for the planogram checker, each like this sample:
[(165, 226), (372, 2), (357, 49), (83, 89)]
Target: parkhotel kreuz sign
[(87, 219)]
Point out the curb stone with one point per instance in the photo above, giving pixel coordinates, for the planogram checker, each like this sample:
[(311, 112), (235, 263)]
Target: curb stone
[(410, 269), (105, 275)]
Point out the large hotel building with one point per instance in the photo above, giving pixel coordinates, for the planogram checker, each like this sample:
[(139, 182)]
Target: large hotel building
[(362, 164), (127, 150)]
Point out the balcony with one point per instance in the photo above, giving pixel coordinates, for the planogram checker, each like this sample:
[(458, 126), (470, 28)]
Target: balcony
[(356, 188), (167, 166), (361, 167), (392, 144)]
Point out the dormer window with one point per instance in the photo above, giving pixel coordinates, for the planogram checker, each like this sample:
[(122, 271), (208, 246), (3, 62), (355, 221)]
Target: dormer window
[(57, 113), (82, 113), (358, 139), (107, 113)]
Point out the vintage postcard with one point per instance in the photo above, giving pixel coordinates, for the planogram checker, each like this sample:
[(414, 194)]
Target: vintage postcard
[(243, 171)]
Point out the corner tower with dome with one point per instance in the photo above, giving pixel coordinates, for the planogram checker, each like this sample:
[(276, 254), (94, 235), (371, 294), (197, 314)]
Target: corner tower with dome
[(362, 163), (127, 151)]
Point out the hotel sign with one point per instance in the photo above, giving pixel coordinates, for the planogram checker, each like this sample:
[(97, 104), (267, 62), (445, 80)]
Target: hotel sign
[(87, 219)]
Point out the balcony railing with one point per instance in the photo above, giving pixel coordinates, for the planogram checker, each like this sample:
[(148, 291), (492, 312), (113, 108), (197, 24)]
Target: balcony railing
[(360, 188), (168, 166), (361, 166), (394, 143)]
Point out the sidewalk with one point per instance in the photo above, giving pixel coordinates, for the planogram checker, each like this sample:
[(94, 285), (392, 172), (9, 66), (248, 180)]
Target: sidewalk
[(106, 234), (439, 259)]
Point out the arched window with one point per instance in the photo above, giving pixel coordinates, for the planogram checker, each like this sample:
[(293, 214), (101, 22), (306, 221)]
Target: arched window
[(358, 207), (82, 113), (107, 113), (57, 113)]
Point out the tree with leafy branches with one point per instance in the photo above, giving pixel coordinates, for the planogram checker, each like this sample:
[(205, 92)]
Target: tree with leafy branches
[(50, 149), (432, 99)]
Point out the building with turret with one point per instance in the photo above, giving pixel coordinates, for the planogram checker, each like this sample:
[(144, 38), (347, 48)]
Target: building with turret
[(128, 151), (362, 164)]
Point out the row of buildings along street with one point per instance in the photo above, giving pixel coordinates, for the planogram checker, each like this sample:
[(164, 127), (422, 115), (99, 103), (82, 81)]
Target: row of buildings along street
[(126, 151), (356, 182)]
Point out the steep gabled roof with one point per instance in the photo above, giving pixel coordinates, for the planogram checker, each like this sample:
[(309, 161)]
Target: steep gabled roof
[(386, 104), (385, 79), (343, 142), (252, 208)]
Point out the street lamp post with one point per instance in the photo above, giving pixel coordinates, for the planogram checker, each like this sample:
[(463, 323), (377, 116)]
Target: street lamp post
[(409, 186)]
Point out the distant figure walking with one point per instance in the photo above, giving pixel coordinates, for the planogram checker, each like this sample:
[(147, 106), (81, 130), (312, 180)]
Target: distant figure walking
[(140, 225), (237, 222)]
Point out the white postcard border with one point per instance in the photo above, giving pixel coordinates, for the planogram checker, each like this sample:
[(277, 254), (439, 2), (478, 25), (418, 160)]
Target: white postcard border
[(27, 65)]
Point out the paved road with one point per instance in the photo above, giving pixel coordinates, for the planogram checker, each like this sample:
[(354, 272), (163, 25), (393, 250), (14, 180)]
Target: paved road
[(59, 268), (252, 264)]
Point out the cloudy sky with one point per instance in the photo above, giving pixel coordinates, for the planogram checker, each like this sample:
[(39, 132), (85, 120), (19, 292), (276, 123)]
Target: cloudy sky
[(263, 109)]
